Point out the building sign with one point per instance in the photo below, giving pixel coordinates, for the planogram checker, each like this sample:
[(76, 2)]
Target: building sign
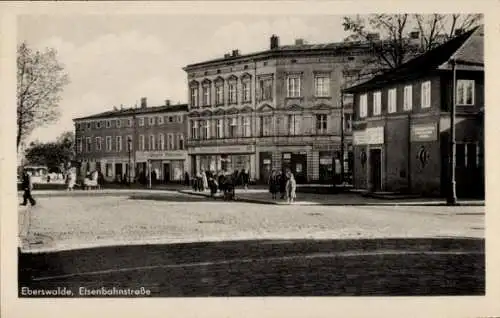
[(222, 149), (160, 155), (325, 161), (369, 136), (267, 161), (424, 132)]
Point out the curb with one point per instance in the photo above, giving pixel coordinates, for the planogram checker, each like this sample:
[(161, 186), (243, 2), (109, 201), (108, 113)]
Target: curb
[(258, 201)]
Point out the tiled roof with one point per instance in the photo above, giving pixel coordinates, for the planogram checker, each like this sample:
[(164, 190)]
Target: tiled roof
[(137, 111), (466, 48)]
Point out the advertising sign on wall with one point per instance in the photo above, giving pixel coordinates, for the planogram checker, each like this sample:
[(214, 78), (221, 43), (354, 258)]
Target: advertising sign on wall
[(369, 136), (424, 132)]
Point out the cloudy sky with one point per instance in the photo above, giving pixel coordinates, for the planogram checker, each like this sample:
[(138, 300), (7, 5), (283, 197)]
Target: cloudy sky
[(115, 60)]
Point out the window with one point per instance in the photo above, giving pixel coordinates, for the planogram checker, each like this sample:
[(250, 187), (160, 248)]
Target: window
[(348, 122), (109, 145), (265, 125), (232, 93), (171, 144), (108, 123), (206, 129), (129, 122), (293, 124), (391, 100), (170, 119), (161, 140), (181, 142), (293, 86), (321, 124), (194, 129), (425, 98), (118, 143), (88, 144), (160, 120), (141, 121), (179, 119), (377, 103), (322, 86), (118, 123), (266, 89), (151, 142), (363, 105), (407, 98), (194, 97), (220, 129), (465, 92), (88, 125), (206, 95), (219, 94), (109, 170), (130, 143), (98, 143), (151, 121), (246, 91), (233, 127), (142, 142), (98, 125), (79, 145), (246, 127)]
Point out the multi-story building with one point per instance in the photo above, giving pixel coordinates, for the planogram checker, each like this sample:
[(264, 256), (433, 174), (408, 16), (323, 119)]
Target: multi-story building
[(142, 137), (402, 122), (275, 109)]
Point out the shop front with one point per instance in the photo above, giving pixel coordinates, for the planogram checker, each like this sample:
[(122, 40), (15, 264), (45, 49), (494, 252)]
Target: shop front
[(223, 159), (265, 166), (164, 166), (369, 144), (296, 162)]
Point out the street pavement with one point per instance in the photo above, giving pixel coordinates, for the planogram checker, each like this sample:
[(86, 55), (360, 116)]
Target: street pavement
[(88, 220), (174, 244)]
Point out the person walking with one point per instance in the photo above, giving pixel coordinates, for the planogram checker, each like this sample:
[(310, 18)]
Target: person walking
[(27, 185), (273, 184), (291, 187)]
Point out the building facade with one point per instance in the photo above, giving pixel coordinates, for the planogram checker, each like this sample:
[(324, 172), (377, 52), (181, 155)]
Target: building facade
[(271, 110), (146, 138), (402, 122)]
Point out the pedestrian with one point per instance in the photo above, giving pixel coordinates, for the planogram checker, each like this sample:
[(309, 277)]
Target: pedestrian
[(70, 179), (245, 178), (204, 180), (27, 185), (212, 183), (291, 187), (282, 184), (186, 179), (273, 185)]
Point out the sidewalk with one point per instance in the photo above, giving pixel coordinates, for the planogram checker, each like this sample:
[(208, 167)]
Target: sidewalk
[(262, 196)]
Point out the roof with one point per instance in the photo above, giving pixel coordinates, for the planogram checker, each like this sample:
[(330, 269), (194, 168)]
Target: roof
[(326, 48), (137, 111), (466, 49)]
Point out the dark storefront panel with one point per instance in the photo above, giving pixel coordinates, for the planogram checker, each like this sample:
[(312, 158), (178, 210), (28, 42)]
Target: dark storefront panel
[(265, 166), (326, 167), (297, 164)]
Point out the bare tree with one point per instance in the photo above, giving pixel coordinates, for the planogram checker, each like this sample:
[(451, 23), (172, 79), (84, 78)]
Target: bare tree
[(395, 38), (40, 82)]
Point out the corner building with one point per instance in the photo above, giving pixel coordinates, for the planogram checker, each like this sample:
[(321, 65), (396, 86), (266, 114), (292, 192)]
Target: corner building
[(149, 139), (275, 109)]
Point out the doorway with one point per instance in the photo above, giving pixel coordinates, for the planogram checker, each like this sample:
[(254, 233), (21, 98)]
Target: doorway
[(118, 172), (376, 169), (166, 172)]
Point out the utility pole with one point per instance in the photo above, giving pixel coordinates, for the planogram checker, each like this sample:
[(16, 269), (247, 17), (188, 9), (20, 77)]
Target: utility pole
[(342, 135), (452, 194)]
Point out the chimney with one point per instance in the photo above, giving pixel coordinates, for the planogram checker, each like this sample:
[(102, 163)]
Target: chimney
[(275, 42), (236, 53), (167, 102), (144, 102), (227, 55), (459, 32), (414, 35), (299, 42)]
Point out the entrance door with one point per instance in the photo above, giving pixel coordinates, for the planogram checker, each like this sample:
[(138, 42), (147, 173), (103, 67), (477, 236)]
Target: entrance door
[(119, 172), (166, 172), (265, 166), (299, 167), (376, 169)]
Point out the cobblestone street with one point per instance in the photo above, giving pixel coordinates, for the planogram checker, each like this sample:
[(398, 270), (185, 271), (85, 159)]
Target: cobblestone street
[(60, 223)]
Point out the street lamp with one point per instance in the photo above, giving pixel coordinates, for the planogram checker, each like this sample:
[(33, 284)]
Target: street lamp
[(129, 145), (452, 194)]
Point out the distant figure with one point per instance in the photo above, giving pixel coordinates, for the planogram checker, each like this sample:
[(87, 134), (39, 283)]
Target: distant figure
[(282, 179), (213, 185), (27, 185), (204, 180), (186, 178), (245, 179), (70, 179), (229, 181), (273, 184), (291, 187)]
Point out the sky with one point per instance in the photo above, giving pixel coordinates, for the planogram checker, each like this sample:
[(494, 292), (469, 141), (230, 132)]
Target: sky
[(115, 60)]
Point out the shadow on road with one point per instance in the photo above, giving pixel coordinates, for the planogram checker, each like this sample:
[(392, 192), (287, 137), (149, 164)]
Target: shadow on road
[(367, 267)]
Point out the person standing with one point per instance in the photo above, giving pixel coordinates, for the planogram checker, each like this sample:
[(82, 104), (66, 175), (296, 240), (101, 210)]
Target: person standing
[(282, 184), (70, 179), (27, 185), (273, 188), (204, 179), (245, 178), (291, 187)]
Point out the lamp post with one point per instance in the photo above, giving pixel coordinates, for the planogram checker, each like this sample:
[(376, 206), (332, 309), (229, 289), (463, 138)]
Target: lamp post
[(452, 193), (129, 145)]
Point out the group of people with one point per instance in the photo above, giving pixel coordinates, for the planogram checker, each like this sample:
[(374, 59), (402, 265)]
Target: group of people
[(283, 182), (224, 182)]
